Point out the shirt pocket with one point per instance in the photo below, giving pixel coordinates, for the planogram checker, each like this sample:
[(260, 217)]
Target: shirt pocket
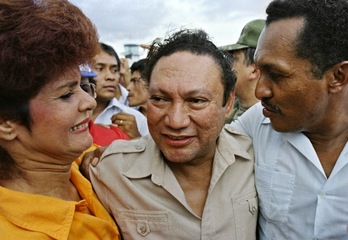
[(275, 191), (143, 224), (245, 207)]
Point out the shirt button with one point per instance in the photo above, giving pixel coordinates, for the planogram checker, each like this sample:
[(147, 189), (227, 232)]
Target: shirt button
[(322, 195), (143, 230), (137, 147)]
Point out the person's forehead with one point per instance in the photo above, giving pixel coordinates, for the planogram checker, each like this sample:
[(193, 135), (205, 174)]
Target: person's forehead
[(186, 60), (186, 64), (278, 38), (105, 58), (136, 73), (184, 70), (238, 55)]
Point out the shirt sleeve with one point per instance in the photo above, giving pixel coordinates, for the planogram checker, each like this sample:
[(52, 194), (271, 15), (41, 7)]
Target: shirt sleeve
[(249, 121)]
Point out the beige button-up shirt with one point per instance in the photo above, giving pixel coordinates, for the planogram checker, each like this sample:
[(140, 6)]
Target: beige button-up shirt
[(141, 192)]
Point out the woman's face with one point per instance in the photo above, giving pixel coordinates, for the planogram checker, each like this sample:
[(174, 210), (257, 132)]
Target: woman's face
[(59, 120)]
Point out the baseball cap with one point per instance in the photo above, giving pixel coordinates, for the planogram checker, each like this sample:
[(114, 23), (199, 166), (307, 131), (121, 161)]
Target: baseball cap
[(248, 37), (86, 71)]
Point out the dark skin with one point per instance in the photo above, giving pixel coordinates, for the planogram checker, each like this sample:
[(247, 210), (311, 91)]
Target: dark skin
[(296, 101), (328, 150), (330, 142)]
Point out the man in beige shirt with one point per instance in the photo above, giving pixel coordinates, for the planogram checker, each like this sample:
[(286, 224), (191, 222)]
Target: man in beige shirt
[(191, 178)]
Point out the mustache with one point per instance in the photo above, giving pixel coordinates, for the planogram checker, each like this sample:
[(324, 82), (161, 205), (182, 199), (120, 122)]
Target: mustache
[(270, 105)]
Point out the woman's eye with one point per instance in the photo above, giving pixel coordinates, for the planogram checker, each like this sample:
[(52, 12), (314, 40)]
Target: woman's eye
[(66, 96)]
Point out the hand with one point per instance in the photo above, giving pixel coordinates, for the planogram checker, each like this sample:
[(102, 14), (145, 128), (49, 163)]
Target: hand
[(145, 46), (91, 157), (127, 123), (125, 74), (124, 66)]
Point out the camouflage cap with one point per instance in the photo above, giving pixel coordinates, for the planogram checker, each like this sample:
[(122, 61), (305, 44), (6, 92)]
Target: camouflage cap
[(248, 37)]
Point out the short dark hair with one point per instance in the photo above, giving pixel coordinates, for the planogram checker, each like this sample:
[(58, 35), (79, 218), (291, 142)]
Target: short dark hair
[(197, 42), (111, 51), (324, 37), (249, 56), (138, 66)]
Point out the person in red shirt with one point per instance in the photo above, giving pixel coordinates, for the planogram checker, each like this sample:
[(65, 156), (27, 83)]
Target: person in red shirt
[(103, 135)]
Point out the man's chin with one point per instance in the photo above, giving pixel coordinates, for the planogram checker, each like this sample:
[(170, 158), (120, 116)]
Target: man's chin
[(283, 127)]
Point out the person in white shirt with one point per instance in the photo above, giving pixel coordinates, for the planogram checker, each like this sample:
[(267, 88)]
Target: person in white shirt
[(137, 88), (109, 109), (300, 129)]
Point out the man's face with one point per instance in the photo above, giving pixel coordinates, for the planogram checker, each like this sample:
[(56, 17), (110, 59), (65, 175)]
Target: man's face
[(185, 112), (293, 99), (243, 73), (137, 89), (108, 76)]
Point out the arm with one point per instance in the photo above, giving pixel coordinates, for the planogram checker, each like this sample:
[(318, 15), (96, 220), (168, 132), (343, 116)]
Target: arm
[(125, 74)]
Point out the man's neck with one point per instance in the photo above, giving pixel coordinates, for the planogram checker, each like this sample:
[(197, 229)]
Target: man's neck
[(329, 144), (194, 181)]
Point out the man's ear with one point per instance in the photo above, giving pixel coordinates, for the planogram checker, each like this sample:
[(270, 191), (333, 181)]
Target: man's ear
[(339, 77), (7, 130), (255, 73), (229, 104)]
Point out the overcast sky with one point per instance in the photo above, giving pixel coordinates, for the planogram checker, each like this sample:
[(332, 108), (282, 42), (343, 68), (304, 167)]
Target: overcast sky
[(122, 22)]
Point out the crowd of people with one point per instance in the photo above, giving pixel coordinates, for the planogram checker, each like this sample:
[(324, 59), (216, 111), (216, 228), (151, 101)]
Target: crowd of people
[(195, 141)]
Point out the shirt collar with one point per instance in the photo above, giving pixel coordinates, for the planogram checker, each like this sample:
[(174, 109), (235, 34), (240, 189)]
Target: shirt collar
[(124, 94), (115, 103), (155, 166), (36, 213), (232, 143)]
